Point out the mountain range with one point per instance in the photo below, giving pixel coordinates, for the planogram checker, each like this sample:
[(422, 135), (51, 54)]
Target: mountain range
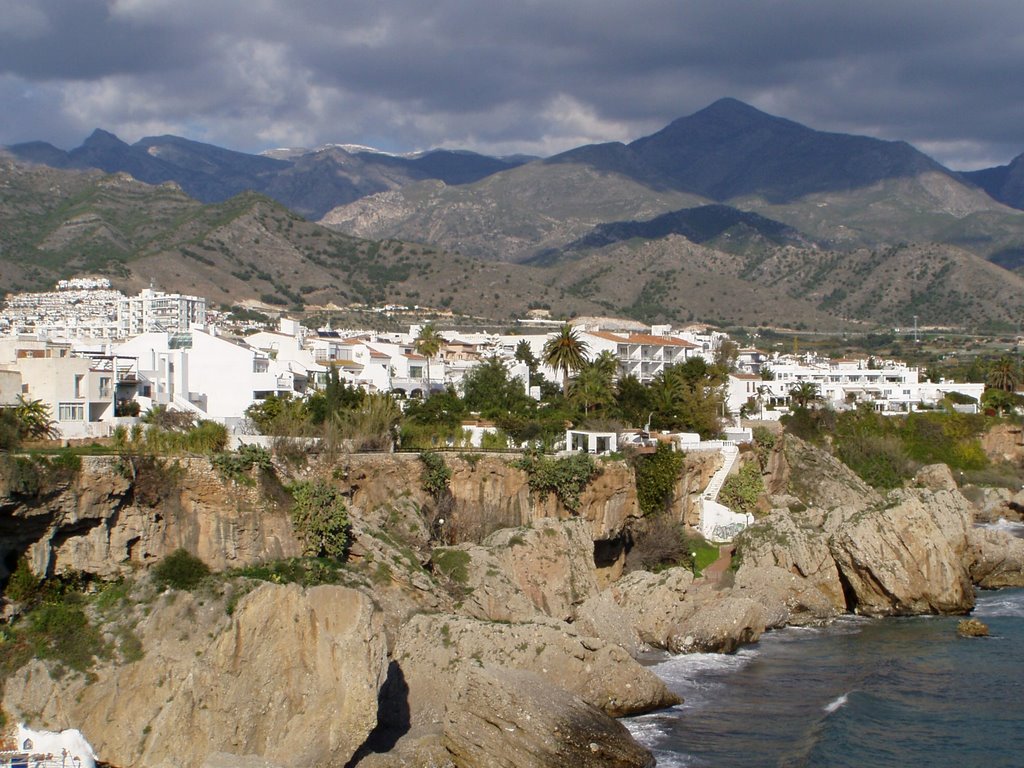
[(728, 214), (310, 182)]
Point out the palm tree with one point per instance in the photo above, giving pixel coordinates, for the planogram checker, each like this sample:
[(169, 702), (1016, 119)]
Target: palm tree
[(428, 343), (1003, 374), (592, 388), (34, 420), (804, 393), (566, 352)]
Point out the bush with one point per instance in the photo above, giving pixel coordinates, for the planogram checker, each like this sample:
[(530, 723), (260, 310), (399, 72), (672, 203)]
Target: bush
[(62, 632), (566, 477), (452, 563), (23, 585), (656, 478), (236, 466), (436, 474), (180, 570), (741, 490), (320, 518), (879, 460)]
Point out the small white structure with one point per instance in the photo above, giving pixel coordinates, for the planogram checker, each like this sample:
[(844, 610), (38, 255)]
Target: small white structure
[(66, 748), (587, 441)]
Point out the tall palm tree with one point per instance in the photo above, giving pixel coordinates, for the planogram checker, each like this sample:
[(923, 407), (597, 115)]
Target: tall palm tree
[(428, 343), (566, 352), (1003, 374)]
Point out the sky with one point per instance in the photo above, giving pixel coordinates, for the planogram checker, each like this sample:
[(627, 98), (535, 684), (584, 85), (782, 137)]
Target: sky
[(510, 76)]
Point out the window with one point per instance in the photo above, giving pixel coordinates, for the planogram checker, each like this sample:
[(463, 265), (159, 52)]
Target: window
[(104, 388), (78, 384), (70, 412)]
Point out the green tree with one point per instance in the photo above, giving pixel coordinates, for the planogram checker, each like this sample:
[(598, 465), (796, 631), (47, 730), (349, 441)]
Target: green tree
[(489, 390), (524, 354), (428, 343), (566, 352), (804, 393), (1003, 374), (592, 389), (632, 400)]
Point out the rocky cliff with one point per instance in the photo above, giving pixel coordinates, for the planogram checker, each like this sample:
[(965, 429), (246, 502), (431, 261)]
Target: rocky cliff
[(487, 625)]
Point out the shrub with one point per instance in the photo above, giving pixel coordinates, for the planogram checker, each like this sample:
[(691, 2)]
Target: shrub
[(236, 466), (879, 460), (659, 544), (452, 563), (62, 632), (436, 473), (23, 584), (741, 490), (180, 570), (656, 477), (320, 518), (565, 477)]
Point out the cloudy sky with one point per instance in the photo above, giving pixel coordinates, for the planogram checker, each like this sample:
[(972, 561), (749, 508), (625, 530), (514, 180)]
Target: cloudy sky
[(534, 76)]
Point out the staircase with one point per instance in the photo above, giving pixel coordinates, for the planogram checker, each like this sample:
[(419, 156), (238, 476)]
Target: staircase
[(717, 521), (729, 455)]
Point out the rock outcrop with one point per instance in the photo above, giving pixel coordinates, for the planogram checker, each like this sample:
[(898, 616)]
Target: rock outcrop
[(433, 650), (909, 557), (996, 559), (487, 724), (97, 524), (292, 676)]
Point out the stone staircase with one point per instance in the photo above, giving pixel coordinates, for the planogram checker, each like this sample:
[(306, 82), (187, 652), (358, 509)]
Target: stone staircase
[(718, 522)]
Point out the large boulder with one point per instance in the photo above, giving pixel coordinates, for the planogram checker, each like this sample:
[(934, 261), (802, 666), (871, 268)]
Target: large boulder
[(291, 677), (434, 649), (513, 719), (653, 603), (817, 478), (718, 626), (907, 557), (552, 563), (790, 541), (785, 597), (996, 559)]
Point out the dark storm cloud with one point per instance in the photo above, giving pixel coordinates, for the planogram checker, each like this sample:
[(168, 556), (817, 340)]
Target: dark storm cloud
[(501, 77)]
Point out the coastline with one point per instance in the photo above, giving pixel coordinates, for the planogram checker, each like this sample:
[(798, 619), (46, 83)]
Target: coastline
[(797, 697)]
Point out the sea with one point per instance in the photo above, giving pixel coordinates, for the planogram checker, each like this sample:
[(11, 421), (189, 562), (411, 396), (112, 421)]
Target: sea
[(859, 693)]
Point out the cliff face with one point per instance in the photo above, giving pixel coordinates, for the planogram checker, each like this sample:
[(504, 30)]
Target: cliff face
[(512, 644), (292, 675), (96, 523)]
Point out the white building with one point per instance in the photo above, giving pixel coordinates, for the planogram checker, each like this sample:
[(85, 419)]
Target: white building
[(155, 311), (889, 386), (210, 376)]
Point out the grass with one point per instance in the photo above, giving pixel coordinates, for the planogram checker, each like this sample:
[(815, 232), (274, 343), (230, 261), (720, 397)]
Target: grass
[(704, 554)]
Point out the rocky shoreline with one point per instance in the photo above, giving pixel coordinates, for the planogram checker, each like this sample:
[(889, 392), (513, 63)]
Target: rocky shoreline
[(505, 634)]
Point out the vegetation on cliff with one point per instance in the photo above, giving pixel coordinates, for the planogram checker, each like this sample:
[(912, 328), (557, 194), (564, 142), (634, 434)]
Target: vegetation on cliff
[(885, 451)]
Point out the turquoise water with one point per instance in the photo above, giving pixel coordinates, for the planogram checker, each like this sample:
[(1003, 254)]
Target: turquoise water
[(863, 692)]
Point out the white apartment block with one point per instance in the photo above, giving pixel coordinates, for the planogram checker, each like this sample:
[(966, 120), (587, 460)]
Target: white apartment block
[(642, 355), (889, 386), (154, 311)]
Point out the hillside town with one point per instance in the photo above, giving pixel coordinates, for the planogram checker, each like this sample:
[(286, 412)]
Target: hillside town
[(98, 359)]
